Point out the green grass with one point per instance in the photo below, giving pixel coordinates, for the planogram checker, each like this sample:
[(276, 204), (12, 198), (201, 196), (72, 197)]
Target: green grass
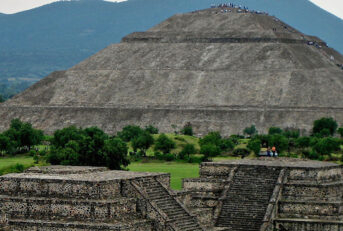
[(177, 170), (20, 159)]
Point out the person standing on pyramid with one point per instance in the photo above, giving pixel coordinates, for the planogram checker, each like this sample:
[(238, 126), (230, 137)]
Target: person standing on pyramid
[(274, 151)]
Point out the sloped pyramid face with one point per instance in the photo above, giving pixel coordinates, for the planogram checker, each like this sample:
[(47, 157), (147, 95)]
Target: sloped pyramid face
[(217, 69)]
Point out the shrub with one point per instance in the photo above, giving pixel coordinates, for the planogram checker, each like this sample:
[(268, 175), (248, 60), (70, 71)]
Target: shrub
[(187, 150), (151, 129), (226, 145), (130, 132), (340, 131), (291, 133), (164, 156), (209, 150), (327, 145), (235, 139), (243, 152), (279, 141), (211, 138), (274, 130), (164, 144), (255, 146), (251, 131), (142, 142), (187, 130), (303, 142), (325, 123)]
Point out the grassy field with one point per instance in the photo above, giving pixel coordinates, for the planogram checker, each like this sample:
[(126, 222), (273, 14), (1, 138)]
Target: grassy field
[(176, 169), (21, 159)]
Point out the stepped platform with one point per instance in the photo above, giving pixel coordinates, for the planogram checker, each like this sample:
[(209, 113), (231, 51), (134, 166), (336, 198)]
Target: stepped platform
[(265, 194)]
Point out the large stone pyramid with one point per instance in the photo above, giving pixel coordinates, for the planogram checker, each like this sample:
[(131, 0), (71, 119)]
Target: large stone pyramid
[(219, 69)]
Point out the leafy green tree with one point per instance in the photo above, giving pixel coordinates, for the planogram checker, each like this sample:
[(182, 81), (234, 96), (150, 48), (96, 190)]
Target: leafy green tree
[(226, 145), (340, 131), (243, 152), (327, 145), (303, 142), (187, 150), (279, 141), (151, 129), (325, 123), (63, 136), (30, 136), (255, 146), (187, 130), (5, 143), (291, 133), (209, 150), (115, 151), (211, 138), (164, 144), (274, 130), (130, 132), (251, 131), (142, 142)]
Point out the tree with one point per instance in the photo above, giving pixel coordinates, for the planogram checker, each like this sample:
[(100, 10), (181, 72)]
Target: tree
[(250, 130), (226, 145), (164, 144), (291, 133), (187, 129), (327, 145), (303, 142), (151, 129), (5, 143), (255, 146), (129, 132), (325, 123), (274, 130), (211, 138), (209, 150), (90, 146), (142, 142), (188, 150), (340, 131), (30, 136), (279, 141)]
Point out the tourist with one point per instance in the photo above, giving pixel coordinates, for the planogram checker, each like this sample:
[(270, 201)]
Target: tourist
[(274, 151), (268, 151)]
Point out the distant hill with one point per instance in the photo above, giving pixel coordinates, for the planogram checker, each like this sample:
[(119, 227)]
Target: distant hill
[(57, 36)]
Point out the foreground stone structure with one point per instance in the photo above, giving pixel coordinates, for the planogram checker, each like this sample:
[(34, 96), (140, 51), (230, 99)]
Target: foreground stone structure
[(83, 198), (267, 194), (217, 70), (251, 195)]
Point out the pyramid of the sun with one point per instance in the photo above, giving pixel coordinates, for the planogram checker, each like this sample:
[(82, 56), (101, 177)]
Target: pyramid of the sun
[(217, 69)]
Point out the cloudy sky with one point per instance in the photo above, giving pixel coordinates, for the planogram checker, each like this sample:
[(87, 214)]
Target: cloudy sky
[(13, 6)]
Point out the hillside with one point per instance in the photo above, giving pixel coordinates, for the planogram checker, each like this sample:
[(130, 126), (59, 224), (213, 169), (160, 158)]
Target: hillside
[(31, 47)]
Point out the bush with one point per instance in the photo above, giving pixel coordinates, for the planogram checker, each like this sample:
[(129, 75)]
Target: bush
[(130, 132), (187, 130), (303, 142), (142, 142), (327, 146), (243, 152), (151, 129), (211, 138), (255, 146), (235, 139), (209, 150), (291, 133), (164, 144), (340, 131), (274, 130), (187, 150), (251, 131), (279, 141), (325, 123), (166, 156), (226, 145)]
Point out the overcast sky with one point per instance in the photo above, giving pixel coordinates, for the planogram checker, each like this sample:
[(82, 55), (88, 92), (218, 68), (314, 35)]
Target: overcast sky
[(13, 6)]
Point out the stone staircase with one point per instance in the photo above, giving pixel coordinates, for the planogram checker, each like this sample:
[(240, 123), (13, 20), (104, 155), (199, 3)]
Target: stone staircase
[(175, 212), (247, 199)]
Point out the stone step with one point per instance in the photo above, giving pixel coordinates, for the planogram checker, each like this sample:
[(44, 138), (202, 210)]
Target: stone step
[(55, 208), (44, 225)]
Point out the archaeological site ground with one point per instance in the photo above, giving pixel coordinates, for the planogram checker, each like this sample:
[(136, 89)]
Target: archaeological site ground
[(217, 69), (253, 195)]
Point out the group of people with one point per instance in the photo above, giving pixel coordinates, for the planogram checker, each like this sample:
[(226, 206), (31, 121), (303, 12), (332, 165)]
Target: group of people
[(239, 7)]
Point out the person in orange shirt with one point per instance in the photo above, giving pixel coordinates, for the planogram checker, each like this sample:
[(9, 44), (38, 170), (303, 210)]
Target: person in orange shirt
[(274, 151)]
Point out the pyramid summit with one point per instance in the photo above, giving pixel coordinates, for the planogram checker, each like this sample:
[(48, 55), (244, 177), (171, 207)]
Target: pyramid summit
[(218, 69)]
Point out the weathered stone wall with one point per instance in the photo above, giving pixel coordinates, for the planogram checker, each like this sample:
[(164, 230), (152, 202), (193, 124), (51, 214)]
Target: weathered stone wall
[(305, 225)]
